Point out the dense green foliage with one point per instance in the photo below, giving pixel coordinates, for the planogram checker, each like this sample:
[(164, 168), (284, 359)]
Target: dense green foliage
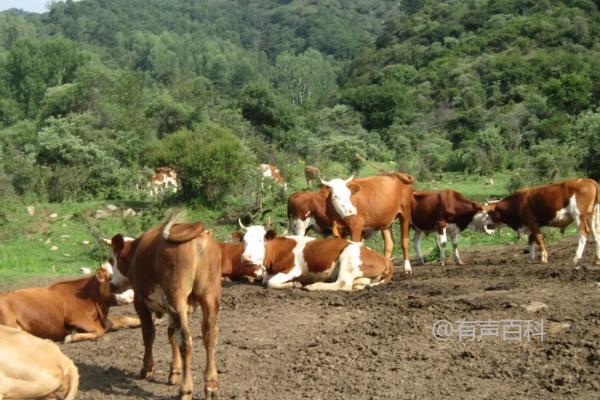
[(96, 93)]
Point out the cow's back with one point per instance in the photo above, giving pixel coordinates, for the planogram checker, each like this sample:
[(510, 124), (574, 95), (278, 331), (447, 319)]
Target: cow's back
[(321, 254), (381, 197)]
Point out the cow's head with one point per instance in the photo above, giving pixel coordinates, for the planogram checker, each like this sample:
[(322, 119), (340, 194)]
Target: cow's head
[(104, 276), (341, 190), (255, 239), (119, 261), (482, 222)]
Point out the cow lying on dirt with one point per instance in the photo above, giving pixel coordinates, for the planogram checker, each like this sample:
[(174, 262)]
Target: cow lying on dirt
[(323, 264), (232, 266), (173, 268), (72, 310), (33, 368)]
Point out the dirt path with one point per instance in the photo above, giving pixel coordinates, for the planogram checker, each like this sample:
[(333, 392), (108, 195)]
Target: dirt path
[(378, 343)]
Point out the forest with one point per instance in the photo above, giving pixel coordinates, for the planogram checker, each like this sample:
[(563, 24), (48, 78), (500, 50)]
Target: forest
[(95, 94)]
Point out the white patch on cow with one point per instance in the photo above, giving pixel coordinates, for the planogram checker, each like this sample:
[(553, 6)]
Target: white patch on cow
[(407, 268), (340, 196), (125, 298), (566, 215), (443, 238), (349, 269), (118, 281), (157, 301), (299, 226), (266, 171), (441, 243), (254, 245), (286, 280), (107, 267)]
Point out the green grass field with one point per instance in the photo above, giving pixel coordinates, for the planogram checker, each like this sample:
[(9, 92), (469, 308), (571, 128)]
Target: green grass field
[(59, 239)]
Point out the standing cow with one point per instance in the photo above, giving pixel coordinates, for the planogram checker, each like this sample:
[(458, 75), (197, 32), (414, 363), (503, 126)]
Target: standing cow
[(372, 203), (555, 205), (321, 264), (173, 268), (445, 212), (33, 368), (311, 173), (307, 210)]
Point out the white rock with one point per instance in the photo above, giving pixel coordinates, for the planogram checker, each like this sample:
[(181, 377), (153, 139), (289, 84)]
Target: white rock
[(86, 242), (101, 214), (53, 215), (48, 241), (129, 213), (30, 210), (85, 270), (53, 248), (534, 306), (111, 207)]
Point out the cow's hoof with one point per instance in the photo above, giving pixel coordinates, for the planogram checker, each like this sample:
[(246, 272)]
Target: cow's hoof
[(68, 339), (147, 373), (185, 395), (597, 262), (174, 377), (460, 263), (212, 395), (408, 271), (443, 263), (211, 390)]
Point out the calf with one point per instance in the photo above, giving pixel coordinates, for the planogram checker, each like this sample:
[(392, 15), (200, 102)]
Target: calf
[(71, 311), (555, 205), (172, 268), (446, 211), (311, 173), (321, 264), (372, 203), (33, 368)]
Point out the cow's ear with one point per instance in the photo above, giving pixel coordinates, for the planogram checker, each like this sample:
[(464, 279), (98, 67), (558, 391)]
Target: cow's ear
[(324, 191), (353, 187), (117, 242), (237, 236), (271, 234), (101, 275)]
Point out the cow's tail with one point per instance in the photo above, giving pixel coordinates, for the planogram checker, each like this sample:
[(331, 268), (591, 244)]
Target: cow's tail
[(596, 212), (404, 178), (72, 380), (175, 230)]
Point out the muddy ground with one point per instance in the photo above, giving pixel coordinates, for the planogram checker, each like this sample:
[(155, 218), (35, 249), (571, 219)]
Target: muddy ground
[(378, 343)]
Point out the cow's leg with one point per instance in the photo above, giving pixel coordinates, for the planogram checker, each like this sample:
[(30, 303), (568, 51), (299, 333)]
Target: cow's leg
[(123, 322), (581, 222), (184, 336), (441, 240), (79, 337), (405, 235), (284, 280), (210, 308), (417, 245), (148, 334), (454, 234), (595, 228), (388, 240), (539, 240), (89, 330), (172, 332), (532, 247)]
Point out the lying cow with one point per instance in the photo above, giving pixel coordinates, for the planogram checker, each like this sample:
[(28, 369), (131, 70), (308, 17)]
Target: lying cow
[(33, 368), (555, 205), (173, 268), (232, 266), (72, 310), (321, 264), (448, 213), (372, 203)]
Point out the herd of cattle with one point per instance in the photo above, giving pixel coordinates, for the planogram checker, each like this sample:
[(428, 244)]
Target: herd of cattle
[(176, 266)]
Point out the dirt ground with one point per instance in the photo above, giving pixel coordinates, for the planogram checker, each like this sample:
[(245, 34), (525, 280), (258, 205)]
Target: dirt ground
[(378, 343)]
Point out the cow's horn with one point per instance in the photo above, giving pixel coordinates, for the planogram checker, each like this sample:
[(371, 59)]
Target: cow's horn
[(324, 182), (349, 179), (242, 225)]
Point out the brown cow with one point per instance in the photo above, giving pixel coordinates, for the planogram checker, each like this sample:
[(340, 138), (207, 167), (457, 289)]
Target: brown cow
[(372, 203), (311, 173), (445, 211), (172, 268), (232, 266), (555, 205), (164, 180), (33, 368), (308, 210), (72, 310), (270, 171), (321, 264)]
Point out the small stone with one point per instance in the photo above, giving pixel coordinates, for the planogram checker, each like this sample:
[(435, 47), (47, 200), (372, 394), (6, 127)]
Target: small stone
[(534, 306), (31, 210), (86, 242), (129, 213), (85, 270), (111, 207), (101, 214), (53, 215), (48, 241), (53, 248)]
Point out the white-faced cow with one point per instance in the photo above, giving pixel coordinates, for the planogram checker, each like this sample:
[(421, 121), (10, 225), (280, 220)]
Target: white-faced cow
[(164, 180), (271, 172), (311, 173), (34, 368), (72, 310), (321, 264), (173, 268), (555, 205), (372, 203), (232, 266), (448, 213)]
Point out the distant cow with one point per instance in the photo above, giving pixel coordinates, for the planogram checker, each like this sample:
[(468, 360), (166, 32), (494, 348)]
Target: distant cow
[(321, 264), (270, 171), (372, 203), (173, 268), (33, 368), (72, 310), (446, 211), (311, 173), (164, 180), (555, 205)]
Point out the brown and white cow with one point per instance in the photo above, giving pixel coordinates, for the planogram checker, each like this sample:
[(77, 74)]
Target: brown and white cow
[(448, 213), (271, 172), (72, 310), (555, 205), (320, 264), (307, 210), (173, 268), (232, 266), (164, 180), (372, 203), (311, 173), (34, 368)]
